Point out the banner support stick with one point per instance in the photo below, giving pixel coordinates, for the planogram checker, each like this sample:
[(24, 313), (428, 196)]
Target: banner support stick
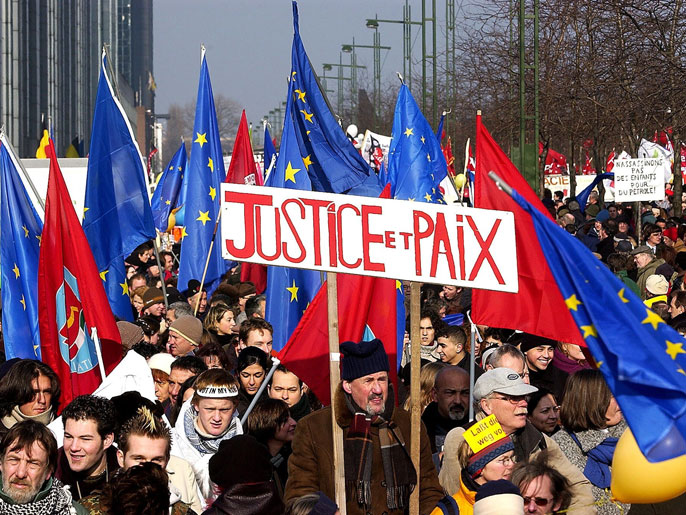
[(263, 386), (334, 378), (98, 352), (415, 390), (207, 263)]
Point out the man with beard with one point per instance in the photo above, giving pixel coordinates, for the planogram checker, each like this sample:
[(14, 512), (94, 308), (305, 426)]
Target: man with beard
[(28, 457), (376, 442), (450, 407)]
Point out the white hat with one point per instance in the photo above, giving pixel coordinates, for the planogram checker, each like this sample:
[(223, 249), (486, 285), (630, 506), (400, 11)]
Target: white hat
[(501, 380), (161, 361), (657, 284)]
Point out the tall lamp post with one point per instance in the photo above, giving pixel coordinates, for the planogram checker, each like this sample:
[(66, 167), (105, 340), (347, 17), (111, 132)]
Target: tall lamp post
[(329, 66)]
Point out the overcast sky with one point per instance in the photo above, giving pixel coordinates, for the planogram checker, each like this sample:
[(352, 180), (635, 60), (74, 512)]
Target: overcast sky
[(249, 44)]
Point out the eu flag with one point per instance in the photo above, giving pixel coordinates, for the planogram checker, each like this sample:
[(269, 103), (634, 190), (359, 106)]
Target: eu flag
[(582, 198), (168, 188), (642, 358), (20, 233), (269, 150), (289, 290), (117, 215), (205, 175), (416, 165), (331, 161)]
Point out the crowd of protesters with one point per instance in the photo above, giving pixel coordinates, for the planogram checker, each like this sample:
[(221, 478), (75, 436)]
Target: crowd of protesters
[(194, 450)]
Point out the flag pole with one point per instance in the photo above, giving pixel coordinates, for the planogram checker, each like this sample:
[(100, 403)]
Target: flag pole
[(13, 154), (474, 334), (334, 379), (207, 262), (161, 271), (98, 352), (415, 390), (263, 386)]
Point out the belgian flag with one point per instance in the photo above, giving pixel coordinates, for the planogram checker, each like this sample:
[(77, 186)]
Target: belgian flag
[(43, 140)]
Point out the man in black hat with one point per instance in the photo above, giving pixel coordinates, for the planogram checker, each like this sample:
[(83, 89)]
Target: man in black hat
[(376, 441)]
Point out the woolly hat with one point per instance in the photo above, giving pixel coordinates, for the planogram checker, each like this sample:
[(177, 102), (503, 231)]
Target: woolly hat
[(246, 288), (592, 209), (498, 497), (161, 361), (193, 288), (531, 341), (657, 285), (254, 458), (152, 296), (364, 358), (131, 334), (478, 461), (602, 216), (189, 327)]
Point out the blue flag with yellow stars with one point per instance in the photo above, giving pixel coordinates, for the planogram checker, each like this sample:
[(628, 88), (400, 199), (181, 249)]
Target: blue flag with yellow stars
[(289, 290), (416, 164), (117, 215), (642, 358), (20, 233), (331, 160), (204, 175), (166, 194), (269, 150)]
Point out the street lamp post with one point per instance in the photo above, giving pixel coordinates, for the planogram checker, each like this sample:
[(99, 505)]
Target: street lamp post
[(329, 66)]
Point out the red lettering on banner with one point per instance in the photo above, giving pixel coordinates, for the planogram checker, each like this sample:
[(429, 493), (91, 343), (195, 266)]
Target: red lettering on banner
[(369, 238), (389, 239), (331, 214), (287, 217), (258, 230), (419, 235), (485, 254), (406, 239), (340, 236), (316, 205), (441, 236), (249, 200), (460, 245)]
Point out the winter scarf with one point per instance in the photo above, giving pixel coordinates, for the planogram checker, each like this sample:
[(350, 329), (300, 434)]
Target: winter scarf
[(399, 473), (598, 461), (204, 443), (16, 416), (56, 502)]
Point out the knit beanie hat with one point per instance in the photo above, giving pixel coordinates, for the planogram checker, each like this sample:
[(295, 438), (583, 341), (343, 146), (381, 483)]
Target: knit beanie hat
[(161, 361), (152, 296), (246, 288), (531, 341), (498, 498), (131, 334), (361, 359), (487, 441), (254, 458), (324, 506), (478, 461), (189, 327), (193, 288)]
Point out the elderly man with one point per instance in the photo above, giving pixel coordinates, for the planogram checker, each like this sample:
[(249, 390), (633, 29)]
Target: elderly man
[(376, 442), (647, 264), (28, 458), (502, 392)]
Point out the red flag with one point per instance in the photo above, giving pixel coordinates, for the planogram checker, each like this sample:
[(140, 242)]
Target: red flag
[(71, 297), (362, 302), (610, 163), (538, 307), (256, 274), (242, 169), (449, 158), (555, 163), (588, 167)]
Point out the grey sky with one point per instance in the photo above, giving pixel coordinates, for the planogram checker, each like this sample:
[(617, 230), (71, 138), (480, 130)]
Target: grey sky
[(249, 44)]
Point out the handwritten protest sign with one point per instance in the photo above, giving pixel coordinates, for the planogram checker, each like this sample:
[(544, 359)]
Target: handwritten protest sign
[(639, 179)]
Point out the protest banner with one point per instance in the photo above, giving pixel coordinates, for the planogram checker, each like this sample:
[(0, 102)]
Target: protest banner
[(639, 179), (395, 239), (562, 183)]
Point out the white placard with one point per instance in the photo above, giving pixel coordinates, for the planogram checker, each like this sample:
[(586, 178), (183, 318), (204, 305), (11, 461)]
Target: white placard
[(397, 239), (639, 179)]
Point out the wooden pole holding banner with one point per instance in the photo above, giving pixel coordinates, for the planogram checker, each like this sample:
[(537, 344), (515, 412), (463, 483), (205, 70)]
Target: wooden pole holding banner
[(207, 263), (334, 379), (415, 391)]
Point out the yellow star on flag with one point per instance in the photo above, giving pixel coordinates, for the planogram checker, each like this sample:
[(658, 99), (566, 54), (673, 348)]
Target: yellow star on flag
[(16, 271), (103, 274), (40, 239), (213, 192), (23, 302), (621, 296), (124, 288), (210, 164), (183, 232), (674, 349), (301, 95), (308, 116), (168, 202), (652, 319), (201, 139), (408, 132), (572, 302), (398, 285), (84, 210), (290, 172), (204, 217), (26, 231), (422, 139), (307, 161), (589, 330), (681, 371), (428, 158), (427, 197), (293, 291), (171, 168)]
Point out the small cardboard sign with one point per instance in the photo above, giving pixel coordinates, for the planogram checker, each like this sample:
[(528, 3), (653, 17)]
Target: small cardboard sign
[(639, 179), (484, 433)]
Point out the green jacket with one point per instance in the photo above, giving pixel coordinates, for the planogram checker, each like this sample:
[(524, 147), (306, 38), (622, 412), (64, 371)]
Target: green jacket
[(42, 494)]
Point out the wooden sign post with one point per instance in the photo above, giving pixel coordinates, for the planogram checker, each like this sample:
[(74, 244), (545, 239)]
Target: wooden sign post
[(415, 390)]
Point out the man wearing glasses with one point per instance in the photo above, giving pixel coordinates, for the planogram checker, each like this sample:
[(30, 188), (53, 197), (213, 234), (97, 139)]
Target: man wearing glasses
[(502, 392)]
